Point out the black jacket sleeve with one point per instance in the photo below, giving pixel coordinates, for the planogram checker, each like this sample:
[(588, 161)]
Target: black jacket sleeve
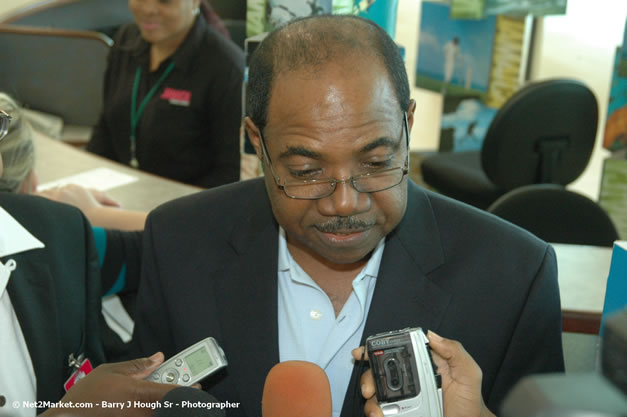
[(539, 324)]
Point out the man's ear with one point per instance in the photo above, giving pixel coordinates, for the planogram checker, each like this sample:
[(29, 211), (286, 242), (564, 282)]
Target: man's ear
[(410, 113), (253, 135)]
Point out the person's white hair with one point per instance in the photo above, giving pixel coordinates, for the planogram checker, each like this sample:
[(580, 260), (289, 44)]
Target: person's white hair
[(16, 149)]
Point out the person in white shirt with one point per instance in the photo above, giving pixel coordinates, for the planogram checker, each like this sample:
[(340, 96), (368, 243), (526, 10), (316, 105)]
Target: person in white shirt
[(49, 314)]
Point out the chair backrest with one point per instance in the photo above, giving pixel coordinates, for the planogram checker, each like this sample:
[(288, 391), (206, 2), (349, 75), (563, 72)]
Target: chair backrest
[(95, 15), (544, 133), (55, 71), (556, 215), (107, 16)]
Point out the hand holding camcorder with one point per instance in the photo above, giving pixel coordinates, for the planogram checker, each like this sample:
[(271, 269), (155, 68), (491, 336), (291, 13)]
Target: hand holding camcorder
[(407, 383)]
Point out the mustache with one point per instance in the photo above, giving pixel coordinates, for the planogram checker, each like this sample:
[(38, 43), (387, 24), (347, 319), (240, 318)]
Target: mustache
[(343, 224)]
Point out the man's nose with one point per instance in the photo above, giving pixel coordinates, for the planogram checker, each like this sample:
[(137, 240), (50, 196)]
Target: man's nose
[(345, 201)]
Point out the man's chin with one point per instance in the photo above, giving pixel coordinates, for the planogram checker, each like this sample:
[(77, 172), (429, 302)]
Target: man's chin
[(338, 249), (345, 256)]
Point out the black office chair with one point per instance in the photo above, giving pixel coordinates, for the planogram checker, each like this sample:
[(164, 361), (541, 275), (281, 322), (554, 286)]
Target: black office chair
[(103, 16), (557, 215), (106, 16), (55, 71), (544, 133)]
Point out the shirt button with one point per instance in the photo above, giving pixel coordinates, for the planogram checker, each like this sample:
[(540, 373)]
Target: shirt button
[(315, 314)]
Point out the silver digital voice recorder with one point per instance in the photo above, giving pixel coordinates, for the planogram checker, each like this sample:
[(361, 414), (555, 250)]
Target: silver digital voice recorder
[(191, 365)]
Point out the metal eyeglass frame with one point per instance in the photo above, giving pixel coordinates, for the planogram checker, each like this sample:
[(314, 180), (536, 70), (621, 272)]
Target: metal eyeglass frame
[(5, 121), (334, 181)]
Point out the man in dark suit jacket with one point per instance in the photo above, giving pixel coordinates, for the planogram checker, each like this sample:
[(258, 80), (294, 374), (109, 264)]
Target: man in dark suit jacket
[(335, 187)]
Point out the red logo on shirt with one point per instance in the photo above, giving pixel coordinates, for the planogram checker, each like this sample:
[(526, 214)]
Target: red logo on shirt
[(180, 97)]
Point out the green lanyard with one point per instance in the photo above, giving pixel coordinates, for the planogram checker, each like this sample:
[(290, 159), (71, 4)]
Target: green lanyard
[(136, 113)]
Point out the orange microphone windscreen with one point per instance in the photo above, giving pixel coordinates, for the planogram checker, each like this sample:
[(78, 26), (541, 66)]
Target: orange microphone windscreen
[(296, 389)]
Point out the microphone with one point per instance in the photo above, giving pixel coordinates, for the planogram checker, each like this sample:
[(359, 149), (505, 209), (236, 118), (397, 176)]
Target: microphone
[(189, 402), (296, 388)]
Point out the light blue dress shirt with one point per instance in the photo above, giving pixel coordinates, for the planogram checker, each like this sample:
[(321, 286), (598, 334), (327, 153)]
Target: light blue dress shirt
[(308, 328)]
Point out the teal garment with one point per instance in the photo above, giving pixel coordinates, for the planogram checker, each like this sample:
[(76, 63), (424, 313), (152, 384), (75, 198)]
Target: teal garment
[(100, 236), (383, 13)]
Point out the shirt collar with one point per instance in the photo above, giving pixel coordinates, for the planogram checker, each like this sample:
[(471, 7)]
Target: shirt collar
[(14, 237)]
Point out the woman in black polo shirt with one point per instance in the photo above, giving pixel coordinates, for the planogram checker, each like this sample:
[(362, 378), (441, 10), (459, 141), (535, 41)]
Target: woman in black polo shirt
[(172, 96)]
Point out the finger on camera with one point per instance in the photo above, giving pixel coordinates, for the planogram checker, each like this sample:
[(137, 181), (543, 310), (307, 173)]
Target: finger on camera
[(372, 409), (446, 348), (367, 384), (452, 352), (358, 352), (138, 368)]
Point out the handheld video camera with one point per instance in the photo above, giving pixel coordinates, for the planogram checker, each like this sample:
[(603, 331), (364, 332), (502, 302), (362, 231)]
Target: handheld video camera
[(406, 380)]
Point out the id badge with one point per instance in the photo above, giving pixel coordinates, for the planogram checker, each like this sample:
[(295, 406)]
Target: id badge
[(79, 373)]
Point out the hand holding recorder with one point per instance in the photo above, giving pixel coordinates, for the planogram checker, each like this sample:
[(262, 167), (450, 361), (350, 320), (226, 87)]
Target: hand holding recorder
[(115, 383), (461, 380)]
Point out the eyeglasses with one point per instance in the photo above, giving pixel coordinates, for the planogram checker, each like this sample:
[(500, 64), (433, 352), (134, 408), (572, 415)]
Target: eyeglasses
[(5, 121), (369, 182)]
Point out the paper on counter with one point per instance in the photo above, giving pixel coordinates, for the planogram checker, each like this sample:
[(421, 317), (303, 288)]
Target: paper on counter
[(101, 179)]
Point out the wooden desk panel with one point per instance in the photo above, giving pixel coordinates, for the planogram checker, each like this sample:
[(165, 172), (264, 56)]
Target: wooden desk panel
[(582, 275), (56, 160)]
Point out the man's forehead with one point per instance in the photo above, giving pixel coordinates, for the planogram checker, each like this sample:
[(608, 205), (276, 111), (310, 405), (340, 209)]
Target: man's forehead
[(361, 129), (331, 94), (362, 132), (310, 149), (337, 61)]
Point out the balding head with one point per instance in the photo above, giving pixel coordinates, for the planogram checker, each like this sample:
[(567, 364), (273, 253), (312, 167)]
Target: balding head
[(308, 45)]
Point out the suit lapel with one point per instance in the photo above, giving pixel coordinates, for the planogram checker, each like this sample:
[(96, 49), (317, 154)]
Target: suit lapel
[(404, 295), (247, 290), (247, 298), (32, 296)]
